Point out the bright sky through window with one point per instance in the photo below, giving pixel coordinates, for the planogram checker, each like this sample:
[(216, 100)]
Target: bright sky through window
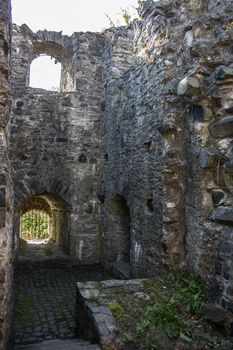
[(45, 74), (69, 15)]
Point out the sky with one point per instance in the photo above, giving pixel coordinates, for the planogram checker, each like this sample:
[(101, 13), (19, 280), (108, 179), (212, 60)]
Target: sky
[(44, 73), (68, 15)]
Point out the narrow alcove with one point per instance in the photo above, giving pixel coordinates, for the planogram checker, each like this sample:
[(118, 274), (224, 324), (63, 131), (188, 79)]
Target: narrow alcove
[(118, 231), (148, 205), (147, 146)]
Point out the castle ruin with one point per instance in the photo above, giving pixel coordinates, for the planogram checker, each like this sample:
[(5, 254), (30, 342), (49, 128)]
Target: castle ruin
[(133, 157)]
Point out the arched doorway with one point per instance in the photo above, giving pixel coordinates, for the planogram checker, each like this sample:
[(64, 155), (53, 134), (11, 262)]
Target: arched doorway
[(44, 222)]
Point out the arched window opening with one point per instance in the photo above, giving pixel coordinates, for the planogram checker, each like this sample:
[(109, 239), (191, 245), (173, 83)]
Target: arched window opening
[(44, 225), (45, 73), (35, 226)]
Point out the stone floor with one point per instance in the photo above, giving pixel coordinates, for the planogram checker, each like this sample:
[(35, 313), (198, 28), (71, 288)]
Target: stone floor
[(45, 301), (39, 251)]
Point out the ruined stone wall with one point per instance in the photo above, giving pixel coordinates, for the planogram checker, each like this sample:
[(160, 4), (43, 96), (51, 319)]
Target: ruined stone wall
[(140, 136), (6, 196), (144, 138), (58, 151), (207, 91), (167, 140), (59, 148)]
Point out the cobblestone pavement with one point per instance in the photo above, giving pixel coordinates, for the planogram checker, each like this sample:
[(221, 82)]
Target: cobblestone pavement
[(45, 302)]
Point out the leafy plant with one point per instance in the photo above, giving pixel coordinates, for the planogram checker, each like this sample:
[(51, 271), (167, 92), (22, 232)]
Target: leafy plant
[(94, 296), (142, 325), (192, 294), (164, 317), (128, 337), (126, 16)]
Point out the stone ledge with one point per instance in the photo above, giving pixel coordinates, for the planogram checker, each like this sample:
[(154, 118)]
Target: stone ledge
[(95, 321)]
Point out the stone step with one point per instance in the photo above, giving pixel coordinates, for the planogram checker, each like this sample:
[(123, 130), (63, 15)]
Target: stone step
[(72, 344)]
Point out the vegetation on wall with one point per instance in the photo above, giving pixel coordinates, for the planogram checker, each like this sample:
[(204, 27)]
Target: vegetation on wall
[(34, 224), (126, 15)]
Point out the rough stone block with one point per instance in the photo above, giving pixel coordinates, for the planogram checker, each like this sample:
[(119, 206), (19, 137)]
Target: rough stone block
[(207, 158), (223, 72), (214, 313), (219, 316), (222, 128), (189, 87), (223, 215)]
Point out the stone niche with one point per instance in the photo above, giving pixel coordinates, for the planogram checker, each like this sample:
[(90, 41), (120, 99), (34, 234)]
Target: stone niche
[(117, 237)]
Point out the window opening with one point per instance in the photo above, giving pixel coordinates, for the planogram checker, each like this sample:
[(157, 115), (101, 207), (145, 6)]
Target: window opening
[(45, 73), (35, 226)]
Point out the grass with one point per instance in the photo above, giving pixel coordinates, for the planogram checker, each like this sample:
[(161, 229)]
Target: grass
[(167, 310)]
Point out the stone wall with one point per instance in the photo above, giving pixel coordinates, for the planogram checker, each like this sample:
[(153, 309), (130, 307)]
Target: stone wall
[(167, 142), (139, 138), (58, 151), (144, 141), (6, 196), (208, 101)]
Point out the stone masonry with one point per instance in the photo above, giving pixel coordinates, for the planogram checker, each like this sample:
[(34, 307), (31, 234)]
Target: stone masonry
[(6, 191), (134, 154)]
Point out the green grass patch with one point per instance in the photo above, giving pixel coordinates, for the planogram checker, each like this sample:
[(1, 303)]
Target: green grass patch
[(168, 309), (117, 311)]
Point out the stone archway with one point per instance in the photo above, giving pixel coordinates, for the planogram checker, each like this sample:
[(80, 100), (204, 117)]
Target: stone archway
[(45, 73), (58, 212), (60, 54)]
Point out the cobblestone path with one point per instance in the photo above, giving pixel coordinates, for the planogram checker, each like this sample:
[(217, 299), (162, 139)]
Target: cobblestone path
[(45, 302)]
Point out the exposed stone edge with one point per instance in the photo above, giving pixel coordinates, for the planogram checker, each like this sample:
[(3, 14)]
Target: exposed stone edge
[(95, 322)]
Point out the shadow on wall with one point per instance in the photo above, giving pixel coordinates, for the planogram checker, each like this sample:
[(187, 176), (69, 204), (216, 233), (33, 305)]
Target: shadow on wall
[(48, 216)]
